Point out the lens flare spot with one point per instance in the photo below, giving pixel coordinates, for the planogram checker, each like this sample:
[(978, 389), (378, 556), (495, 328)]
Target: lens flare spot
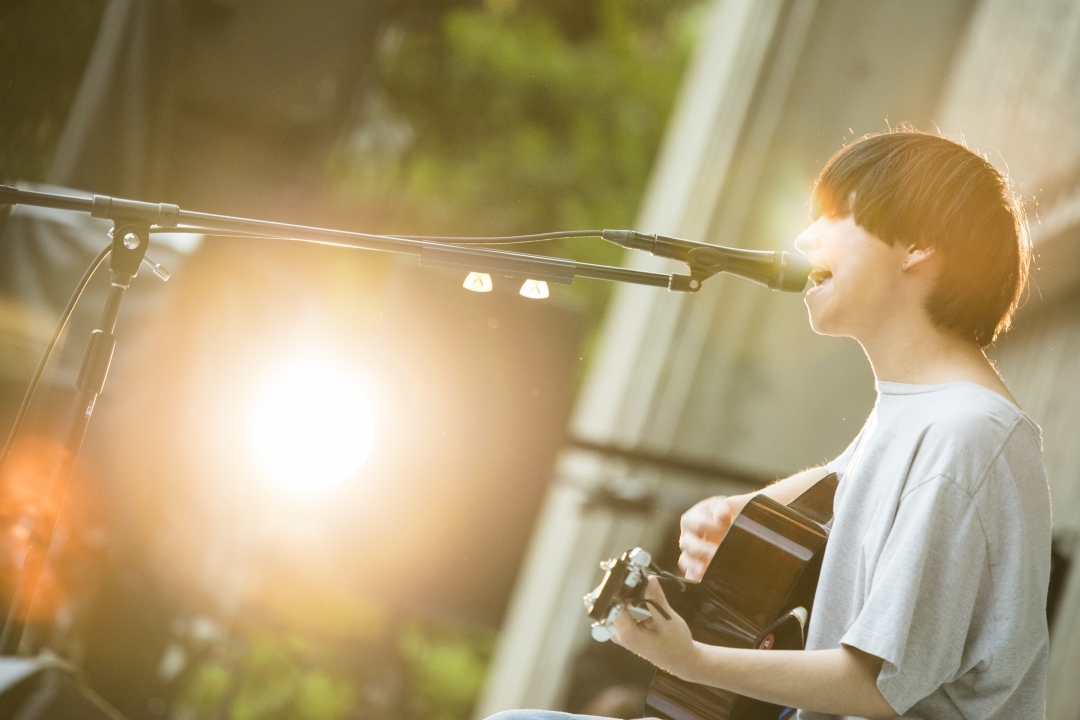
[(313, 427)]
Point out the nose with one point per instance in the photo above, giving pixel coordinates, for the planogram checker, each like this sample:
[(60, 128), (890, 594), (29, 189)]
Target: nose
[(809, 239)]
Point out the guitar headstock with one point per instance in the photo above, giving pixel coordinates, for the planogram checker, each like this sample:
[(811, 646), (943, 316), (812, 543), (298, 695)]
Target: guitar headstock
[(623, 587)]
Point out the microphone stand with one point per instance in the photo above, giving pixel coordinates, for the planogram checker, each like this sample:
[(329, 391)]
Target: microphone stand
[(134, 221), (130, 236)]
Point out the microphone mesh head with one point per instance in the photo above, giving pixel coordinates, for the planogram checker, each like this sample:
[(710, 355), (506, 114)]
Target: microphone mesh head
[(793, 273)]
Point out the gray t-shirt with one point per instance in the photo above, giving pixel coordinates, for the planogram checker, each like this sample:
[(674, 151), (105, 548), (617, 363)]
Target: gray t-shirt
[(939, 556)]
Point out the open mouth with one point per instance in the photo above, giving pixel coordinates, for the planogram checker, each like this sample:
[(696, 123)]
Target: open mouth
[(820, 277)]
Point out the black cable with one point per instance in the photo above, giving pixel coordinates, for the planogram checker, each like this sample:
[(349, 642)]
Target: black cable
[(226, 234), (260, 236), (662, 611), (36, 379), (504, 239), (447, 239), (670, 576)]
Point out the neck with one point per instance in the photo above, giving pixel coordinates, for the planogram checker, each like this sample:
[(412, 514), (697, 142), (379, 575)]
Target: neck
[(920, 353)]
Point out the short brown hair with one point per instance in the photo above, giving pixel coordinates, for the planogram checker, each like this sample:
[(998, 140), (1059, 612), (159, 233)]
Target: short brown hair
[(922, 189)]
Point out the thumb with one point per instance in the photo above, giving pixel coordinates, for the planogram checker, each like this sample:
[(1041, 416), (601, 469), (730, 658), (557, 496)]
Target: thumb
[(655, 593)]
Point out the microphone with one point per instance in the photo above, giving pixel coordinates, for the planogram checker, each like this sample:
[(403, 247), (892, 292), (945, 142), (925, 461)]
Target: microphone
[(778, 270)]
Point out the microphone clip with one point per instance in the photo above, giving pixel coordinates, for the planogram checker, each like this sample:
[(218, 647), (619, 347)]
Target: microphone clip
[(704, 262)]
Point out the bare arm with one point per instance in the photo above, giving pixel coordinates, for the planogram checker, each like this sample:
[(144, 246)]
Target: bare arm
[(841, 681), (704, 525), (786, 490)]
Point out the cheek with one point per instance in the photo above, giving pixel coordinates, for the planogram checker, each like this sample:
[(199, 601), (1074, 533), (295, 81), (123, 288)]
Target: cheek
[(866, 273), (859, 291), (864, 292)]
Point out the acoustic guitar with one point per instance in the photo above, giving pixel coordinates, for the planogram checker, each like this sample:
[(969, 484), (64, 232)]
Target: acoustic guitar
[(755, 594)]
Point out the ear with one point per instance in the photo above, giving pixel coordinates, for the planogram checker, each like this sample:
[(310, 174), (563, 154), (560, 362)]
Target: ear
[(916, 255)]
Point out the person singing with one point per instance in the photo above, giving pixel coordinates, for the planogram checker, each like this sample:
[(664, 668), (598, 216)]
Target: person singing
[(932, 597)]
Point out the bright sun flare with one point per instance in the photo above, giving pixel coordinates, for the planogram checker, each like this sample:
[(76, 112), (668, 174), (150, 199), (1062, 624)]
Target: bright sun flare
[(313, 427)]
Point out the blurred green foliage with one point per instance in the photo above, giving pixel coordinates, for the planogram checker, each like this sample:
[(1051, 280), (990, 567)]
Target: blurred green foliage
[(268, 676), (503, 117), (427, 671), (514, 119), (446, 667)]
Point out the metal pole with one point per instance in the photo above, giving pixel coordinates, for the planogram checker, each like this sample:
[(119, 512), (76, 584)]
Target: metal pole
[(129, 247)]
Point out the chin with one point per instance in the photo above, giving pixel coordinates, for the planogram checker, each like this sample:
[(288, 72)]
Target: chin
[(815, 316), (819, 328), (822, 324), (827, 311), (830, 330)]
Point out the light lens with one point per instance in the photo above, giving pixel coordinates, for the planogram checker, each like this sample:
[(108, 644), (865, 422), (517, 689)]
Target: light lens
[(535, 289), (477, 282)]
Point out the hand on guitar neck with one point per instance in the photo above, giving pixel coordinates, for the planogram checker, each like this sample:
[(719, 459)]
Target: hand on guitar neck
[(664, 641), (705, 524), (752, 562)]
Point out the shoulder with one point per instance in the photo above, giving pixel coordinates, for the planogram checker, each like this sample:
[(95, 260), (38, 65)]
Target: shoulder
[(963, 412), (966, 431)]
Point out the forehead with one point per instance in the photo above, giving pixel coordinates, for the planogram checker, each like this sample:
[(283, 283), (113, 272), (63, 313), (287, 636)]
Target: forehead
[(828, 200)]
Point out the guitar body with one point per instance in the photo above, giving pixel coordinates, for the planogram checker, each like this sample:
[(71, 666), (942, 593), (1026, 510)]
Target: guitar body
[(754, 594)]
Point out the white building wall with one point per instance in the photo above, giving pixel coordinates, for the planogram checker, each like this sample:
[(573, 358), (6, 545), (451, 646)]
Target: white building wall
[(732, 375), (1014, 94), (546, 623)]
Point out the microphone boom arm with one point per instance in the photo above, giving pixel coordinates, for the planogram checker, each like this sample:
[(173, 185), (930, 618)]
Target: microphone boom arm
[(777, 270), (442, 253)]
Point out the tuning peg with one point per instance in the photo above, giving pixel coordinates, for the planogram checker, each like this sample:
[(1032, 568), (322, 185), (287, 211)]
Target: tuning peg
[(602, 632)]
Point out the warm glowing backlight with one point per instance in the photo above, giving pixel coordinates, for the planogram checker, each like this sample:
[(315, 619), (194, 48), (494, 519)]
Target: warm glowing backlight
[(313, 426)]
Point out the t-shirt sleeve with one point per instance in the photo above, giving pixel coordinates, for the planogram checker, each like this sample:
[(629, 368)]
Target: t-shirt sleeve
[(922, 593)]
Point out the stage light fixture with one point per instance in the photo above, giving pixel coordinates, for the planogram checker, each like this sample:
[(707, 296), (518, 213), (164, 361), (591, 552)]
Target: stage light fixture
[(477, 282), (535, 289)]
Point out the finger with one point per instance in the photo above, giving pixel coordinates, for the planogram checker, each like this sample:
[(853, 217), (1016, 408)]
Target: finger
[(697, 547), (696, 520), (692, 569), (655, 593), (710, 518), (697, 556), (625, 629)]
